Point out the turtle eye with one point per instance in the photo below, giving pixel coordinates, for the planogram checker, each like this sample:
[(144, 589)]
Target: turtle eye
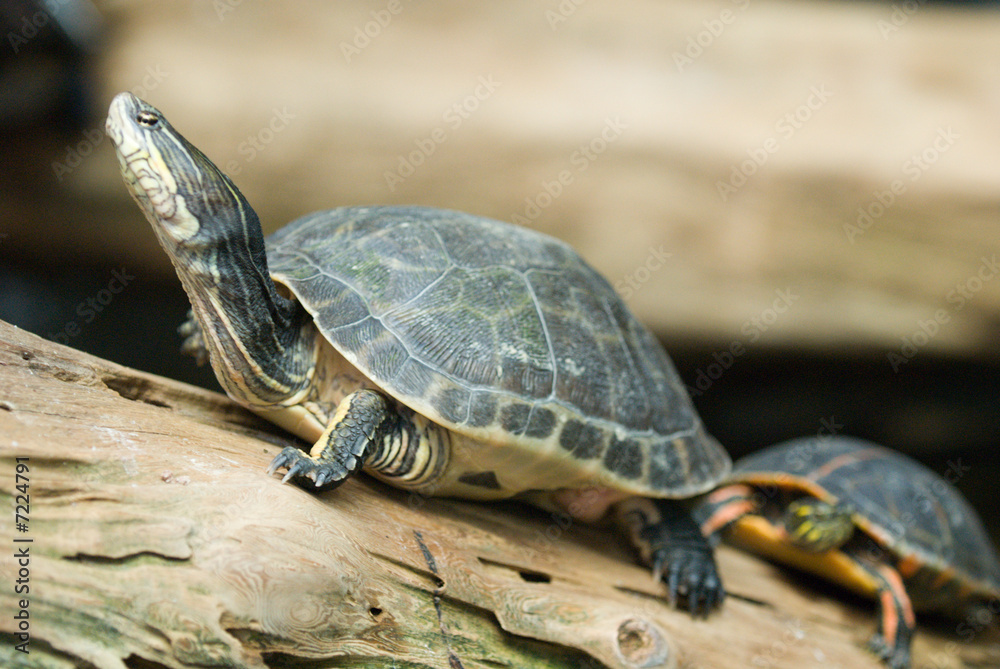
[(146, 119)]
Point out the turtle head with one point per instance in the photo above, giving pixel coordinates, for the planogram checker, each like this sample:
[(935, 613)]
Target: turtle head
[(259, 342), (188, 200), (817, 526)]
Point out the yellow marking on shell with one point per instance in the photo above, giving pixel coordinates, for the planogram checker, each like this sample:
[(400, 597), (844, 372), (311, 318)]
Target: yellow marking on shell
[(758, 535)]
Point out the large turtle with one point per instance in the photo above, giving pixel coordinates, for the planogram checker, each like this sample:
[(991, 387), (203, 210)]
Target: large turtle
[(865, 517), (441, 352)]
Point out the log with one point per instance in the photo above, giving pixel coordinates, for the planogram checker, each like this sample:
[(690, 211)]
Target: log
[(154, 538), (876, 208)]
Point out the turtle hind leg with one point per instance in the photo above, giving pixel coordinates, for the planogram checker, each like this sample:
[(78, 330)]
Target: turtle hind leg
[(362, 418), (897, 622), (669, 539)]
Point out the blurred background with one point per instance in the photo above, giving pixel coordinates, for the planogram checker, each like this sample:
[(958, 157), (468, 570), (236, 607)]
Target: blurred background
[(802, 199)]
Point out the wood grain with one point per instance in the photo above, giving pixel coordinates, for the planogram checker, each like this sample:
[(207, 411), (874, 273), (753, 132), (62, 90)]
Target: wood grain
[(158, 540)]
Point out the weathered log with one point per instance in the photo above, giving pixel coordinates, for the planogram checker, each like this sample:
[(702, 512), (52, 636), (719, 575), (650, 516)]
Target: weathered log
[(154, 538)]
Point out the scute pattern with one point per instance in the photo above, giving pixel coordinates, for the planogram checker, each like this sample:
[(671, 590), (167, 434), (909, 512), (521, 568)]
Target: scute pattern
[(514, 418), (582, 439), (624, 458), (541, 423), (485, 325), (482, 409)]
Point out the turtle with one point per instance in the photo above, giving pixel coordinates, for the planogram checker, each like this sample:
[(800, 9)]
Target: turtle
[(865, 517), (443, 353)]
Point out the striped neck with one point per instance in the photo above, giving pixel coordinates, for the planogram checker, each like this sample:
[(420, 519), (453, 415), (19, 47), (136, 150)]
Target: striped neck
[(260, 343)]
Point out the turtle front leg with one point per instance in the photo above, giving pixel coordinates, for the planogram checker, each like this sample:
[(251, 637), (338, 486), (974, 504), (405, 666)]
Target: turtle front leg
[(897, 622), (669, 540), (721, 508), (194, 339), (363, 418)]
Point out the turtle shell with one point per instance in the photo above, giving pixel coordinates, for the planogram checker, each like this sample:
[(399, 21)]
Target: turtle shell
[(502, 334), (904, 506)]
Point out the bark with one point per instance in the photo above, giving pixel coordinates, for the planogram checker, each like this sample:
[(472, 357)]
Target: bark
[(155, 539)]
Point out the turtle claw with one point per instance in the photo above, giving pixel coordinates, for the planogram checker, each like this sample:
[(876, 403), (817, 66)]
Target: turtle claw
[(277, 463), (322, 473), (681, 557), (895, 656), (689, 572), (288, 455), (194, 339), (297, 469)]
